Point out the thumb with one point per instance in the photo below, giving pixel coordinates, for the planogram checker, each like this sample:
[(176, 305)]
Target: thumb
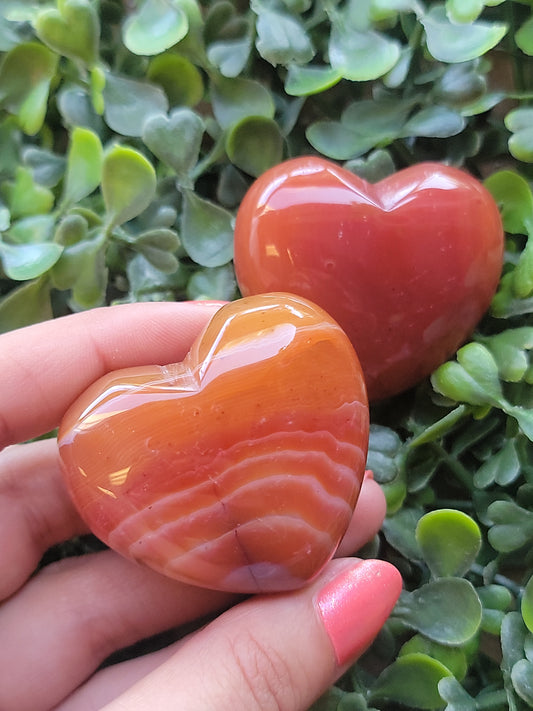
[(275, 652)]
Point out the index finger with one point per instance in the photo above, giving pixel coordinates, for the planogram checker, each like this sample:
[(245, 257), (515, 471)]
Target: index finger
[(46, 366)]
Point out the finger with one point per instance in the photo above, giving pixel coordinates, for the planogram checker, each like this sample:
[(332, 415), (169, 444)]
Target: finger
[(35, 510), (367, 518), (75, 613), (107, 684), (112, 681), (92, 595), (274, 652), (46, 366)]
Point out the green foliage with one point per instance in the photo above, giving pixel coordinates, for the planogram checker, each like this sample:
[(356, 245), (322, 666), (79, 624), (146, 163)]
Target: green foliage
[(449, 541), (129, 133)]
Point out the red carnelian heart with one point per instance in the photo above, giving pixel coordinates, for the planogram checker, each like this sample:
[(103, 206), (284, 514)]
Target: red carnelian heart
[(407, 266), (237, 469)]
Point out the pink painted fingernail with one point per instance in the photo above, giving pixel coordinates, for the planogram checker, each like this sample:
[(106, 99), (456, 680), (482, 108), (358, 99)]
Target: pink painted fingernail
[(369, 474), (355, 604)]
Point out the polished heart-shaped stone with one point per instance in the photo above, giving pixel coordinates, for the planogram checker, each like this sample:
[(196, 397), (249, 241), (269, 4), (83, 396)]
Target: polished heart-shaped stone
[(407, 266), (237, 469)]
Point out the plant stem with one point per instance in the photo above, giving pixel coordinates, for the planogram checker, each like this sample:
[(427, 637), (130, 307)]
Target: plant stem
[(496, 699), (519, 76), (460, 472)]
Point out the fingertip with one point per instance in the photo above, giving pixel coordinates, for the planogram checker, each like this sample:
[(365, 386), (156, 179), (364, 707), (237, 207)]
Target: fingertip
[(367, 518), (355, 604)]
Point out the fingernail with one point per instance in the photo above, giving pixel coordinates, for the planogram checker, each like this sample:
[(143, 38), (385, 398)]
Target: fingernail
[(355, 605), (369, 474)]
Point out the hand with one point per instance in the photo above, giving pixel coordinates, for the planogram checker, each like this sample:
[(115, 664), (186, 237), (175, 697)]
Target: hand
[(58, 626)]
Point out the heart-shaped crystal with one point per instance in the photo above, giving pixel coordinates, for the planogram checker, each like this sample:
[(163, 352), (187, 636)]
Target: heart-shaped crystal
[(237, 469)]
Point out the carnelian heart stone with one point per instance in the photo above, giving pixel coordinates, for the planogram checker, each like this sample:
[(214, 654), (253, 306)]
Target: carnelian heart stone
[(237, 469), (407, 266)]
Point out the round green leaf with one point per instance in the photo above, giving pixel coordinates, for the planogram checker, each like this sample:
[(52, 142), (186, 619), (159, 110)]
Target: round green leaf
[(480, 365), (513, 637), (77, 109), (447, 610), (524, 37), (230, 56), (375, 167), (24, 197), (462, 84), (232, 186), (514, 198), (512, 526), (128, 184), (158, 246), (397, 75), (449, 540), (76, 259), (473, 379), (28, 261), (222, 21), (521, 145), (129, 103), (73, 29), (364, 125), (457, 698), (25, 76), (449, 42), (503, 467), (395, 493), (399, 530), (307, 80), (453, 658), (35, 228), (412, 680), (527, 604), (254, 145), (89, 288), (383, 447), (235, 99), (175, 140), (206, 231), (72, 229), (338, 141), (281, 38), (464, 10), (155, 26), (11, 34), (495, 597), (218, 283), (361, 56), (147, 283), (180, 79), (434, 122), (26, 304), (47, 167), (519, 119), (84, 165), (522, 678)]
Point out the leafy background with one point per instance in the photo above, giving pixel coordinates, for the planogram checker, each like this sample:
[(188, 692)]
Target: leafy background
[(129, 132)]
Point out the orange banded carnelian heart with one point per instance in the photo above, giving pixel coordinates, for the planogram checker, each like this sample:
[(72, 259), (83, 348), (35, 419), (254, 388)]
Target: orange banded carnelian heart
[(237, 469)]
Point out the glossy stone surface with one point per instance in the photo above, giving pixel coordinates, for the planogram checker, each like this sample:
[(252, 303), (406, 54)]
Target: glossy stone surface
[(407, 266), (237, 469)]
